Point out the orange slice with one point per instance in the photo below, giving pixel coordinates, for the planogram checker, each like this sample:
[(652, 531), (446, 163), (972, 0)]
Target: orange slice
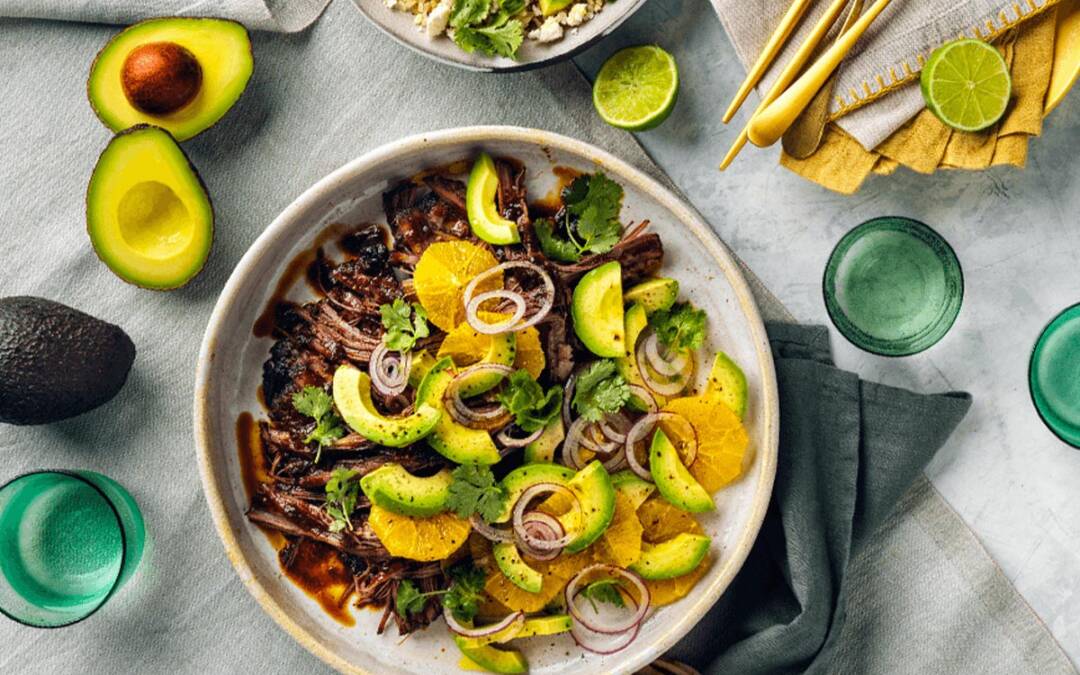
[(530, 353), (620, 544), (662, 521), (443, 272), (722, 454), (423, 539)]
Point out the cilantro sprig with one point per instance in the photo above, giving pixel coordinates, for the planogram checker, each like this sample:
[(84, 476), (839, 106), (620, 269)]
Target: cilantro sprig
[(475, 490), (680, 328), (600, 389), (404, 324), (315, 403), (478, 27), (604, 590), (342, 491), (532, 407), (593, 203), (462, 598)]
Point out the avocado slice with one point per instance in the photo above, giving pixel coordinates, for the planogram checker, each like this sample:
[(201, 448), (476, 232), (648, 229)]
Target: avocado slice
[(654, 294), (527, 475), (57, 362), (352, 396), (673, 480), (515, 569), (672, 558), (597, 311), (546, 625), (596, 496), (549, 7), (633, 487), (635, 321), (492, 658), (727, 384), (454, 441), (147, 211), (181, 74), (484, 218), (395, 489), (543, 448), (503, 351)]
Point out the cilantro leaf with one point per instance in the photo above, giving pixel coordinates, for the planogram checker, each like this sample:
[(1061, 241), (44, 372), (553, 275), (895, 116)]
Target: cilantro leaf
[(469, 12), (404, 324), (680, 328), (317, 404), (502, 38), (605, 590), (552, 245), (596, 200), (409, 599), (474, 490), (600, 389), (532, 408), (342, 492), (465, 593)]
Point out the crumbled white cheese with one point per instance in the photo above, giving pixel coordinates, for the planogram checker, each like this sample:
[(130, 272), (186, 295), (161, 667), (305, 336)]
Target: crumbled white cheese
[(438, 18), (550, 31), (576, 15)]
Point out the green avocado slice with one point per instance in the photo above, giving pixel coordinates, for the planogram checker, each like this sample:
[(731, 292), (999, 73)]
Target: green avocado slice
[(221, 49), (493, 659), (635, 321), (630, 485), (543, 448), (654, 294), (392, 487), (484, 218), (596, 496), (527, 475), (454, 441), (672, 558), (727, 384), (597, 311), (673, 480), (147, 211), (515, 569), (352, 396)]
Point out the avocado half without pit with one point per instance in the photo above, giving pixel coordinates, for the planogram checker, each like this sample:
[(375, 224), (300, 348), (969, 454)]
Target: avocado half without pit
[(181, 74), (147, 211)]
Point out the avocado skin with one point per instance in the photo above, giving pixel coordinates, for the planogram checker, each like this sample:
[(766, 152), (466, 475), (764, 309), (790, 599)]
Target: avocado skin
[(57, 362)]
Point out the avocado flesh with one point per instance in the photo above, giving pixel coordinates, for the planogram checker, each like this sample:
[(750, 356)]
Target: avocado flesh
[(596, 497), (222, 49), (147, 211), (654, 294), (454, 441), (57, 362), (515, 569), (503, 351), (527, 475), (546, 625), (727, 384), (635, 321), (352, 396), (633, 487), (543, 448), (597, 310), (549, 7), (672, 558), (491, 658), (484, 218), (395, 489), (672, 478)]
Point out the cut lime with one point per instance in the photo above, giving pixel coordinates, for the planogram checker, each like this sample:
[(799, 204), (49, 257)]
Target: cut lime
[(636, 88), (966, 84)]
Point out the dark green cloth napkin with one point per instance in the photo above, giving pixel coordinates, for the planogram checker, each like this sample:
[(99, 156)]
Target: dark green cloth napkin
[(849, 450)]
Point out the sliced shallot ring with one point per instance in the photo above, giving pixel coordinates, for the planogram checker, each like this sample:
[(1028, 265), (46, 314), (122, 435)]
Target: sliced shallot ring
[(662, 388), (509, 441), (489, 531), (522, 503), (641, 430), (494, 418), (538, 520), (472, 312), (483, 631), (538, 316), (645, 396), (641, 604), (673, 366), (583, 637), (389, 374), (610, 432)]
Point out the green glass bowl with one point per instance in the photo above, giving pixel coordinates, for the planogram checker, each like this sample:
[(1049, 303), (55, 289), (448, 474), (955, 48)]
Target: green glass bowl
[(893, 286), (1054, 375), (69, 540)]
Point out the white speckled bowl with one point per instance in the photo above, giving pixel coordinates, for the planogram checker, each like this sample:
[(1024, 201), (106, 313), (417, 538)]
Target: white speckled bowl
[(400, 26), (230, 367)]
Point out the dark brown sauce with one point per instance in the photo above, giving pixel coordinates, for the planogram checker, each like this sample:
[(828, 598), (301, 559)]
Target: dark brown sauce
[(549, 205), (253, 468), (318, 570)]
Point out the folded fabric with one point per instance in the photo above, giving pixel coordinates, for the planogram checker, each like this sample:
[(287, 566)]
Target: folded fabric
[(924, 144), (849, 451), (285, 16), (888, 56)]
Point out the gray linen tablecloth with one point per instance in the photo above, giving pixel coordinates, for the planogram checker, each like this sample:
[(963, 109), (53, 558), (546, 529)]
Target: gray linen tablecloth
[(316, 100)]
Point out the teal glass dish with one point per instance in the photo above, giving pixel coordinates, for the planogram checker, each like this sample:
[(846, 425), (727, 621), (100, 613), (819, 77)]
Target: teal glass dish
[(1054, 376), (893, 286), (69, 540)]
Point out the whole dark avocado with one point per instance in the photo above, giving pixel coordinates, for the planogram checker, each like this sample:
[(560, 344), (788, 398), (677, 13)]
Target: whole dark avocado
[(57, 362)]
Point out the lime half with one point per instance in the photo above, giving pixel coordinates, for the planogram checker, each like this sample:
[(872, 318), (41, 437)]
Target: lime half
[(636, 88), (966, 84)]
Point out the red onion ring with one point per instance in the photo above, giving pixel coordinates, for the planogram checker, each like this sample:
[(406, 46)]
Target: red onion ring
[(669, 367), (543, 526), (527, 538), (642, 428), (645, 396), (509, 441), (490, 532), (663, 388), (607, 427), (472, 312), (493, 418), (389, 371), (483, 631), (641, 604), (591, 640), (518, 325)]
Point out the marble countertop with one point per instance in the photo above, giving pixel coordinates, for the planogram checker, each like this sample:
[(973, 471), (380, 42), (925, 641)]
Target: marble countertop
[(1017, 234)]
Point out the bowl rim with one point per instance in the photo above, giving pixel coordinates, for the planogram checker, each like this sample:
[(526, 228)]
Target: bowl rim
[(492, 64), (683, 214)]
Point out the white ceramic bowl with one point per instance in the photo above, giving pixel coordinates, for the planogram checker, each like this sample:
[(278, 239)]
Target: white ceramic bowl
[(401, 26), (230, 366)]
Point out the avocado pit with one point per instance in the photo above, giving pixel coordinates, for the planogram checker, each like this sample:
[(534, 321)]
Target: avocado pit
[(160, 78)]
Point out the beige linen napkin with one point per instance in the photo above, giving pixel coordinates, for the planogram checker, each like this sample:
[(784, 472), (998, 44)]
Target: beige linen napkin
[(285, 16)]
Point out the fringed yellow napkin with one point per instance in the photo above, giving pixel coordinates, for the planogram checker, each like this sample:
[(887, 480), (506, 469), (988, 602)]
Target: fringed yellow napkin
[(925, 144)]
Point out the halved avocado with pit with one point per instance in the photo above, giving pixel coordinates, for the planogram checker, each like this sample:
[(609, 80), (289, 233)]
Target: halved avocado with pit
[(182, 74), (147, 211)]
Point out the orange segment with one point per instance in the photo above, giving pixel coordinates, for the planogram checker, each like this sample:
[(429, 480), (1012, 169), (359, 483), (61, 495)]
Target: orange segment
[(530, 353), (423, 539), (662, 521), (443, 272), (722, 454), (620, 544), (557, 573)]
